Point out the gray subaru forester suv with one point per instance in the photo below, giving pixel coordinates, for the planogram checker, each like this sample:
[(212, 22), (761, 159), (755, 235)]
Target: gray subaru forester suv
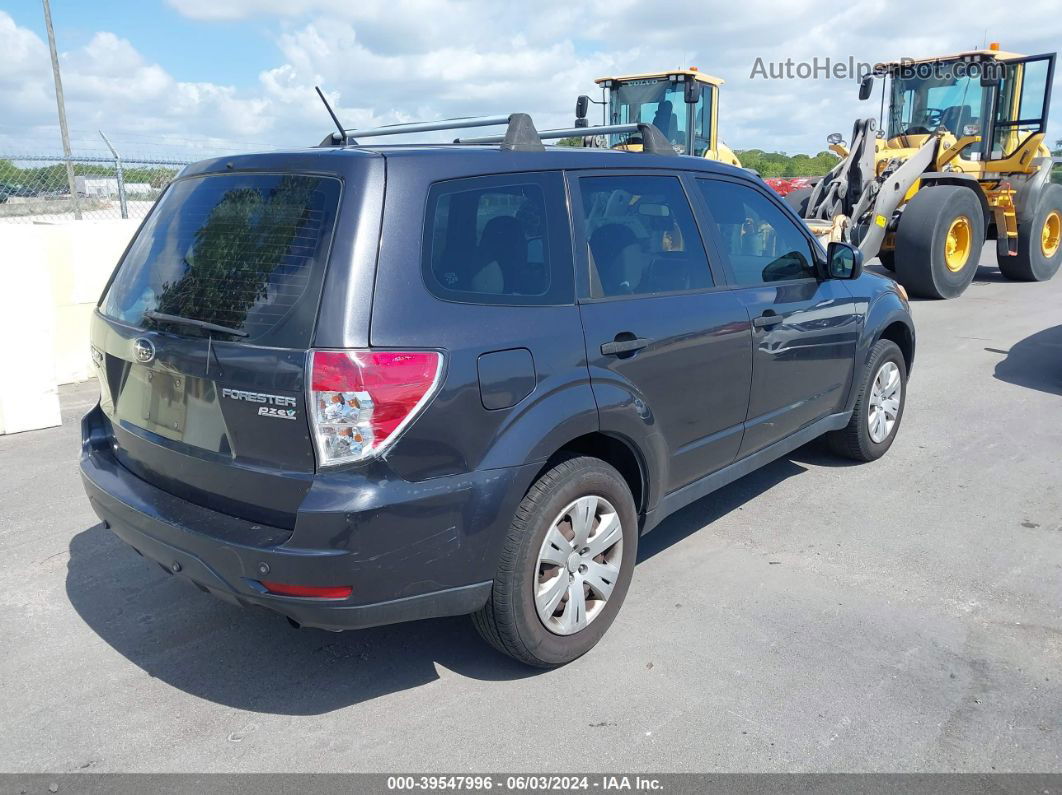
[(360, 385)]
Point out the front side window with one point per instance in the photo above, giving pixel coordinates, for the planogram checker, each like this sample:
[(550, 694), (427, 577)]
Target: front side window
[(761, 242), (641, 236), (488, 241)]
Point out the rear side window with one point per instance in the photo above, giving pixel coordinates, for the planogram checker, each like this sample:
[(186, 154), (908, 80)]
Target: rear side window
[(762, 243), (642, 237), (245, 251), (495, 240)]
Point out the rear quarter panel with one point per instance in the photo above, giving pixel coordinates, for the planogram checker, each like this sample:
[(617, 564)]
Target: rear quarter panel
[(457, 433)]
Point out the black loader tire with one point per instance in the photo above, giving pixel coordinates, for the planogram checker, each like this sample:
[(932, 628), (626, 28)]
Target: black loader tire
[(1037, 230), (921, 256)]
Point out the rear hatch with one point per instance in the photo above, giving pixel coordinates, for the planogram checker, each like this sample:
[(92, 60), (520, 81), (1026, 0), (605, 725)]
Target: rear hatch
[(202, 338)]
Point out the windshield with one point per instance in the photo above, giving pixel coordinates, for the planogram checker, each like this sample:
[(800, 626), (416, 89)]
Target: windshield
[(657, 100), (943, 100)]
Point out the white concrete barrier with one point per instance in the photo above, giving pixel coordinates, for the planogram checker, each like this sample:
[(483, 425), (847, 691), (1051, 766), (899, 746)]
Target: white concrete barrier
[(51, 276)]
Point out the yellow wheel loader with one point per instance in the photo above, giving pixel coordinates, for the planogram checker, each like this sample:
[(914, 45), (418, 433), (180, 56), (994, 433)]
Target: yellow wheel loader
[(959, 158), (682, 104)]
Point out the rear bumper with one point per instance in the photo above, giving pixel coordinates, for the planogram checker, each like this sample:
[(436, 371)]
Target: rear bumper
[(422, 575)]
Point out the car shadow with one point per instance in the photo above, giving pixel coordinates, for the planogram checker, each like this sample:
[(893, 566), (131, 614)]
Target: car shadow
[(250, 659), (1034, 362)]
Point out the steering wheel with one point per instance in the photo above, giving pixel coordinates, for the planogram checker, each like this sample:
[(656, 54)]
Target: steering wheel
[(930, 122)]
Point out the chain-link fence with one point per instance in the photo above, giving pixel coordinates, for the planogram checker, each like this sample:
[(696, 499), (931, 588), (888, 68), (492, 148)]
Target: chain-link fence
[(37, 187)]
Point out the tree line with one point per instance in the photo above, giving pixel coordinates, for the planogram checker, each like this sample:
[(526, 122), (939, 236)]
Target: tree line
[(54, 175)]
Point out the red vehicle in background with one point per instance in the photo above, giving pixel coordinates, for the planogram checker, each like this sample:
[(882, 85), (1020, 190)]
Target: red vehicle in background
[(783, 186)]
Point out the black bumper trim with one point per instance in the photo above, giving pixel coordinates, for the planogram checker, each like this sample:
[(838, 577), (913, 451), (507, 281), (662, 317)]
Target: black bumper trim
[(226, 569), (305, 612)]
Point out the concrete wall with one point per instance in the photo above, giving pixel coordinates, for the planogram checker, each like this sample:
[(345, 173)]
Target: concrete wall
[(51, 276)]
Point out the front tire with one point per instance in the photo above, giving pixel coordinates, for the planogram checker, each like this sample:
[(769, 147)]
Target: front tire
[(1039, 242), (939, 241), (565, 567), (878, 409)]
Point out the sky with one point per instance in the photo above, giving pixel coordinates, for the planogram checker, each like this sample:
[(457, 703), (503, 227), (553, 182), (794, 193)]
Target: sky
[(189, 78)]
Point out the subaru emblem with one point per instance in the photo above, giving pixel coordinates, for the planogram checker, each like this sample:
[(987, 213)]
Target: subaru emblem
[(143, 350)]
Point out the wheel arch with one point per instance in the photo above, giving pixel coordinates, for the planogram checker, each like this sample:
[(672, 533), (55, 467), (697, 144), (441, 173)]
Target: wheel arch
[(618, 452), (1027, 198), (887, 318), (902, 334)]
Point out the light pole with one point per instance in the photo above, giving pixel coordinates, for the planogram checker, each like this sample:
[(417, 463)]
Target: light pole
[(61, 103)]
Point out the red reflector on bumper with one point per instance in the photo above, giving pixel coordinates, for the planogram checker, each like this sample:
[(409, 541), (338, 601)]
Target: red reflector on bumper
[(311, 591)]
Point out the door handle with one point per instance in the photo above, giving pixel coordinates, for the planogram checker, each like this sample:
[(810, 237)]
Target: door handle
[(768, 318), (617, 347)]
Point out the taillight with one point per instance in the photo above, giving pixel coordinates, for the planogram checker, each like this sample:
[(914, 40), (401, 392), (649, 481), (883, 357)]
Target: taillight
[(361, 400)]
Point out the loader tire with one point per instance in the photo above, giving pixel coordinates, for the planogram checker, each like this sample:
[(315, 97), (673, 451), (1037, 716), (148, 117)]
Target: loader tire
[(939, 241), (798, 200), (887, 260), (1039, 243)]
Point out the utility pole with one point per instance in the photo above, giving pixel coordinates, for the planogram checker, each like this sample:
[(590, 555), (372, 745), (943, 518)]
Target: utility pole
[(61, 103)]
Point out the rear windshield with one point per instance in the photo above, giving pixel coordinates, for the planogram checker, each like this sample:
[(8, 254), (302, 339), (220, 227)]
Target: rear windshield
[(244, 251)]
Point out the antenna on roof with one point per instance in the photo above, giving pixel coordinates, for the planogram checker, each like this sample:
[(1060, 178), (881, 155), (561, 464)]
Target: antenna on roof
[(332, 113)]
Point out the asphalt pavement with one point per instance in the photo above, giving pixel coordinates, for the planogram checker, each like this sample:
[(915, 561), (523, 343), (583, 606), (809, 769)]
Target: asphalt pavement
[(904, 615)]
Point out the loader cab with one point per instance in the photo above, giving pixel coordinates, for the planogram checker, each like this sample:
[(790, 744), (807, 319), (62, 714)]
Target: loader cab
[(994, 105), (683, 104)]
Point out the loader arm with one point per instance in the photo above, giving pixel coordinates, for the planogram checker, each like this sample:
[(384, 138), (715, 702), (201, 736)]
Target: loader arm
[(890, 190), (861, 200), (838, 192)]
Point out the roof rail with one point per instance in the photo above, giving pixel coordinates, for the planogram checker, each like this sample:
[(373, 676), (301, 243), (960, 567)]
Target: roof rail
[(653, 141), (520, 133), (408, 128)]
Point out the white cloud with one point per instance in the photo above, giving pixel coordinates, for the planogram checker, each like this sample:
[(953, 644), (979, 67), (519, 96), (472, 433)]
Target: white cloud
[(388, 60)]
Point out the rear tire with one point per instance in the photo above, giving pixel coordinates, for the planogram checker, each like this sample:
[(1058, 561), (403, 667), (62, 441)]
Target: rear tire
[(866, 437), (887, 260), (511, 621), (1039, 247), (939, 241)]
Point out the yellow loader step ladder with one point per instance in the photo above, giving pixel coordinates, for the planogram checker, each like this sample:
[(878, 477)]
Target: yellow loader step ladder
[(1001, 200)]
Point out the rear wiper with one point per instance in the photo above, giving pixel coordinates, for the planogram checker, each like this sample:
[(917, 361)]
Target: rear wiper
[(177, 320)]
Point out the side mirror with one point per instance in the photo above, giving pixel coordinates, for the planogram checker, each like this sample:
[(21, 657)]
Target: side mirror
[(843, 261), (834, 138), (989, 76), (692, 91), (582, 104), (866, 85)]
